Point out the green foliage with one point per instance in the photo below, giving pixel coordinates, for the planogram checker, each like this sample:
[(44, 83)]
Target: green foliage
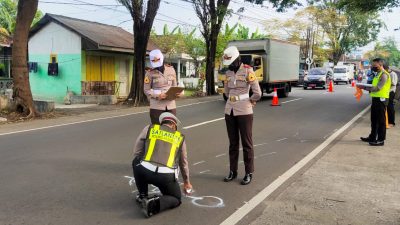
[(387, 50), (280, 5), (368, 5), (8, 15)]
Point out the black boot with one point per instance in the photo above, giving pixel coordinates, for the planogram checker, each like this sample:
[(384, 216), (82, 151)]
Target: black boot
[(247, 179), (232, 175), (151, 206), (140, 198)]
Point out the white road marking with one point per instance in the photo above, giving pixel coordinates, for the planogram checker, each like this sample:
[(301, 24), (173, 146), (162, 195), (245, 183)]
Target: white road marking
[(92, 120), (260, 144), (266, 154), (203, 123), (326, 136), (257, 199), (217, 156), (302, 141), (199, 163), (325, 93), (292, 100), (205, 171), (281, 139)]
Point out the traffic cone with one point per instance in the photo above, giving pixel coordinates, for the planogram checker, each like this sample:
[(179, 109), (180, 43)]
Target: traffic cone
[(330, 87), (275, 100), (353, 83)]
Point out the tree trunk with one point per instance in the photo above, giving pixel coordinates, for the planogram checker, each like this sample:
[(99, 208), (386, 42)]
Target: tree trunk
[(210, 66), (22, 90), (336, 55), (137, 91)]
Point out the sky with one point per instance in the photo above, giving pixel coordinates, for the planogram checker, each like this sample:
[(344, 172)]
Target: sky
[(180, 12)]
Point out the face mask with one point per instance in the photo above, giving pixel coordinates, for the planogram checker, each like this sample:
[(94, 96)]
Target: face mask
[(375, 69)]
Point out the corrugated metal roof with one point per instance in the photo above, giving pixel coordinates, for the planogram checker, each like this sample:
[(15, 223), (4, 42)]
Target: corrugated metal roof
[(113, 38)]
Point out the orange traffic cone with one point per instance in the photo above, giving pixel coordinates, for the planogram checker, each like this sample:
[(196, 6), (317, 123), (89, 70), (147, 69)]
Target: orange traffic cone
[(353, 83), (330, 87), (275, 100)]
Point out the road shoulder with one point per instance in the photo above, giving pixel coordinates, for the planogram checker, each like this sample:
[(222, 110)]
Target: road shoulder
[(352, 183)]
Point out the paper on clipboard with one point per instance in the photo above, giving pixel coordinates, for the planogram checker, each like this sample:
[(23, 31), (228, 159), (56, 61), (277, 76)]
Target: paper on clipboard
[(172, 91), (364, 85)]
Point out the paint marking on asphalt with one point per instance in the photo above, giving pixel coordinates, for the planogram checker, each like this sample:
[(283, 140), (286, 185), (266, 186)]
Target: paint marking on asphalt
[(217, 156), (281, 139), (266, 154), (263, 194), (325, 93), (203, 123), (205, 171), (260, 144), (92, 120), (326, 136), (199, 163), (292, 100)]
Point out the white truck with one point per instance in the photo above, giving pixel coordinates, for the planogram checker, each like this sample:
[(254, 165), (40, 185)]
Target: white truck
[(275, 63)]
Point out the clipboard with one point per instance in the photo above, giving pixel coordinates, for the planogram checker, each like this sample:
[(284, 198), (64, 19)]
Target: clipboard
[(172, 91)]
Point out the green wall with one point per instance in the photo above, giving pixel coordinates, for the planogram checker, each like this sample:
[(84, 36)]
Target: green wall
[(54, 88)]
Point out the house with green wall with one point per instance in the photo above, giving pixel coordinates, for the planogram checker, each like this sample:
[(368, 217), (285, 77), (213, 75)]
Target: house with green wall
[(83, 57)]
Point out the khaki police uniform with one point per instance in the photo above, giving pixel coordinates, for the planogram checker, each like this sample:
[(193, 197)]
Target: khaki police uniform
[(239, 114), (156, 83), (159, 151)]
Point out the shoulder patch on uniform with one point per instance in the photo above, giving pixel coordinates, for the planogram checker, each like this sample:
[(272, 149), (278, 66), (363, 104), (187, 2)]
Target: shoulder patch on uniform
[(251, 77), (246, 66), (146, 80)]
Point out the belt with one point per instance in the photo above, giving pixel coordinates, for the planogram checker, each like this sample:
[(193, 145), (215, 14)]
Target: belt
[(158, 169), (239, 97)]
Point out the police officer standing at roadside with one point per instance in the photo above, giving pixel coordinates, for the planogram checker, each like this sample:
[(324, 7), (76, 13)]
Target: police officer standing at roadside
[(157, 81), (240, 78), (159, 150), (380, 95)]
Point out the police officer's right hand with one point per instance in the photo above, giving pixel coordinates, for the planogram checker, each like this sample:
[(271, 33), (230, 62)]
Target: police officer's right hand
[(162, 96), (188, 188)]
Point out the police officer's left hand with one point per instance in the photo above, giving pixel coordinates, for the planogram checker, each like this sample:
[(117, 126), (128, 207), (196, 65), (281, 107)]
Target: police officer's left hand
[(253, 103)]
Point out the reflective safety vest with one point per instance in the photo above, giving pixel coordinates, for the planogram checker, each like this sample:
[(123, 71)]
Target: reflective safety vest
[(163, 146), (384, 92)]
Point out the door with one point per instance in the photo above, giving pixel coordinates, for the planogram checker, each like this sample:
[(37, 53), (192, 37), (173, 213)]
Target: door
[(123, 78)]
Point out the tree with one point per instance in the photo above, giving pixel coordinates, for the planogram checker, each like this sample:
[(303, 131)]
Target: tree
[(280, 5), (22, 91), (211, 14), (387, 50), (143, 18), (196, 49), (8, 15), (169, 42), (369, 5), (345, 29)]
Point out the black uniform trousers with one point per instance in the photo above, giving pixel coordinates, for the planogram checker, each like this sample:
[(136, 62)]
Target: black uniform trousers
[(243, 125), (378, 120), (166, 182), (155, 114), (390, 108)]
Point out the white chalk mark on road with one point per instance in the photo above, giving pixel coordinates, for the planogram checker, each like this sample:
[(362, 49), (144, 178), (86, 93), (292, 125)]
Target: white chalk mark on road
[(197, 163), (292, 100), (205, 171), (281, 139), (267, 191), (265, 154), (203, 123), (217, 156), (197, 201)]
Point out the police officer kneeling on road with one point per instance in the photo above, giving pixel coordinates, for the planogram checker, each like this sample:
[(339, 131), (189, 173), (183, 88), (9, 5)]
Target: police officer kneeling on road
[(159, 149)]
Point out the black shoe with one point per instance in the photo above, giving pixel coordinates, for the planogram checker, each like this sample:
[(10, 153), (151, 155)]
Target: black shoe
[(365, 139), (140, 198), (377, 143), (232, 175), (151, 206), (247, 179)]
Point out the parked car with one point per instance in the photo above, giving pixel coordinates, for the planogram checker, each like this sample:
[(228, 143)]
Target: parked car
[(318, 77)]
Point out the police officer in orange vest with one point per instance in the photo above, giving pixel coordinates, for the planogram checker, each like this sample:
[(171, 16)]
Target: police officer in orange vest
[(159, 150), (239, 112), (157, 81)]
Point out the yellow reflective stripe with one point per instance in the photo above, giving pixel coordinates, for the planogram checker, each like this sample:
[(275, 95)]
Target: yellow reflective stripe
[(152, 143), (174, 148)]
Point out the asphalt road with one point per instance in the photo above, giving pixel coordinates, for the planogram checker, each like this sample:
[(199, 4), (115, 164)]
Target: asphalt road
[(80, 173)]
